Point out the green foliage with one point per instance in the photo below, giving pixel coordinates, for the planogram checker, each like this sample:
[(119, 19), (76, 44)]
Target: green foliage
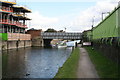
[(50, 30), (69, 68), (87, 35), (104, 66)]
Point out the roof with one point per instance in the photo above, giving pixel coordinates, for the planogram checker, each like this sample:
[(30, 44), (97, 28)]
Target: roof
[(21, 8), (7, 2)]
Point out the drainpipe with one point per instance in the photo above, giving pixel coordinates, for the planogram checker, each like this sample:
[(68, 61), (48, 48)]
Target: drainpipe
[(8, 19), (3, 29), (92, 27), (24, 19)]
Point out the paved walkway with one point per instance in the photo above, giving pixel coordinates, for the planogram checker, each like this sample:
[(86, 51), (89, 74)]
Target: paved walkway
[(86, 69)]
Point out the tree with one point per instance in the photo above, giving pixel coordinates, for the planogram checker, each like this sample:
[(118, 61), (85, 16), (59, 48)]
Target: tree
[(50, 30)]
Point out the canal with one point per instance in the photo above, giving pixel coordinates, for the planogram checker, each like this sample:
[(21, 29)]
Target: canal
[(33, 62)]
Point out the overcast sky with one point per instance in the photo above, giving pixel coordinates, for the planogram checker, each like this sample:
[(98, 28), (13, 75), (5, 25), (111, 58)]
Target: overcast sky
[(74, 15)]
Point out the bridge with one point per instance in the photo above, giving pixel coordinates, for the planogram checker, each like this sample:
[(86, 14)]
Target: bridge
[(61, 35)]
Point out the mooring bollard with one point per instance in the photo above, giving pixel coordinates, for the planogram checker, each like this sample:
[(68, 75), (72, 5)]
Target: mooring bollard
[(73, 48), (75, 44)]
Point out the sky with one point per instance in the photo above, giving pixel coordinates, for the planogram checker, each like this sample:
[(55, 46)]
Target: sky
[(74, 15)]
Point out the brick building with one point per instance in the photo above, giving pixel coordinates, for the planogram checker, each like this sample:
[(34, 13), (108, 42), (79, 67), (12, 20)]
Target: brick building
[(34, 33), (36, 37)]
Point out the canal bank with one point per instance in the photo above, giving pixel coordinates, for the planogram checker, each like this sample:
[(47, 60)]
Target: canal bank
[(90, 63), (106, 68), (69, 68), (15, 44)]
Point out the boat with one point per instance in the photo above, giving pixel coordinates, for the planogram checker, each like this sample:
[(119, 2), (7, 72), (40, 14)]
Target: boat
[(62, 45), (54, 46)]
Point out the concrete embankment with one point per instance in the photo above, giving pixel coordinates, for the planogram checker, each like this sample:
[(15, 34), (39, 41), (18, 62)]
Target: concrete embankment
[(15, 44), (37, 42)]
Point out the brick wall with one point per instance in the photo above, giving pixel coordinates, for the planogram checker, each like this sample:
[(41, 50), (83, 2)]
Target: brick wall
[(34, 33)]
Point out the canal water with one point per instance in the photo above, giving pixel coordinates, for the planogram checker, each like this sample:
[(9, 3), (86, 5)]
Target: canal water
[(33, 62)]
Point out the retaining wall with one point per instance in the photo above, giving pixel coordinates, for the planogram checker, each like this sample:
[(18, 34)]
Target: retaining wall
[(37, 42), (15, 44)]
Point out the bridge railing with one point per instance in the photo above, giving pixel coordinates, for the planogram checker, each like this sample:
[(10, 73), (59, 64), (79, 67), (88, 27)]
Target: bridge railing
[(60, 35)]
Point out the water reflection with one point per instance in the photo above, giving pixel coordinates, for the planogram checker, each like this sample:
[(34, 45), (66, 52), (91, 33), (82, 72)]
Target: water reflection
[(33, 62)]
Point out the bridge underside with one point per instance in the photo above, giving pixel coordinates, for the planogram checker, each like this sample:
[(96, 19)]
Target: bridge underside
[(47, 43), (49, 36), (64, 38)]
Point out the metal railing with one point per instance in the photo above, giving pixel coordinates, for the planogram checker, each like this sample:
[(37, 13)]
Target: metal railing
[(10, 0), (6, 9), (7, 21), (60, 35)]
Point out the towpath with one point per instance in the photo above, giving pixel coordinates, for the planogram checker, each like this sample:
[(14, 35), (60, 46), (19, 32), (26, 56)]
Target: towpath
[(86, 69)]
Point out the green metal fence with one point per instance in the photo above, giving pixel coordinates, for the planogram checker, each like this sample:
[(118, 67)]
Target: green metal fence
[(109, 27), (106, 36), (119, 22)]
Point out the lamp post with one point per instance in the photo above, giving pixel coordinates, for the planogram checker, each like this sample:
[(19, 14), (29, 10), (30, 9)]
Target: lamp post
[(92, 25), (65, 29), (92, 31), (118, 3), (104, 13)]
